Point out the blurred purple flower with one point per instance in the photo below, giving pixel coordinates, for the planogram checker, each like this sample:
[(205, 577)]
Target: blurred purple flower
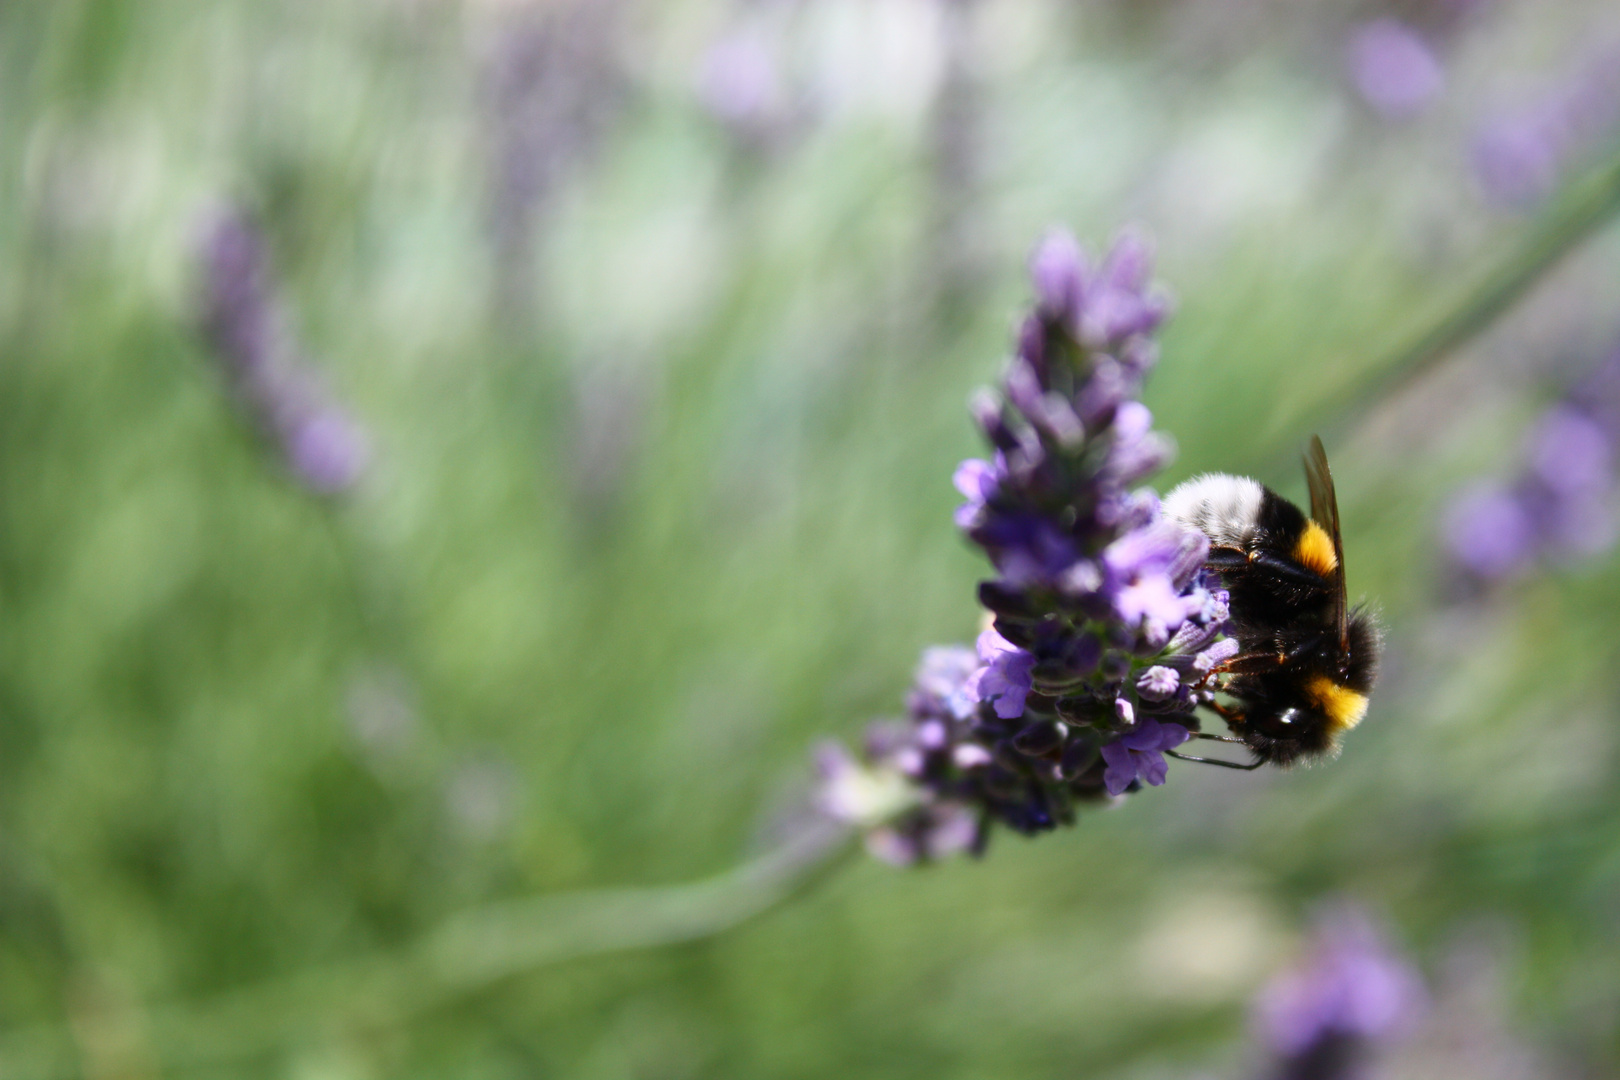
[(976, 480), (740, 82), (1349, 992), (1570, 452), (1563, 504), (1517, 158), (1058, 270), (320, 441), (1393, 69), (1488, 531), (748, 82), (1519, 155), (945, 683), (1004, 679), (925, 834)]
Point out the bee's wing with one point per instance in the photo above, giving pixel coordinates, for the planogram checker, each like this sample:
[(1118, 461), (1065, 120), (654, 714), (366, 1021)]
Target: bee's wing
[(1325, 512)]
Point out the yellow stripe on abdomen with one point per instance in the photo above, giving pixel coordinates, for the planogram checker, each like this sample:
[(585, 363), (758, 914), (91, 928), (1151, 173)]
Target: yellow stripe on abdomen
[(1315, 549), (1343, 707)]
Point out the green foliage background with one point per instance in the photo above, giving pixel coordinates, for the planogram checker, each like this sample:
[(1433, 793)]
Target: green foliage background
[(631, 545)]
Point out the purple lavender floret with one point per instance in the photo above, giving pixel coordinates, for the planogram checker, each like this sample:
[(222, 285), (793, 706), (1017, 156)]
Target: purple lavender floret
[(1104, 624), (1322, 1019), (322, 443), (1565, 502)]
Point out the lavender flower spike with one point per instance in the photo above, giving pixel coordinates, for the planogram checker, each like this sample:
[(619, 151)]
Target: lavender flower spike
[(1323, 1019), (1564, 504), (1104, 626), (319, 440)]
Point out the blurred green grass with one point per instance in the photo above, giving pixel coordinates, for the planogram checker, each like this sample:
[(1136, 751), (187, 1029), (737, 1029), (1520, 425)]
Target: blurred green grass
[(645, 643)]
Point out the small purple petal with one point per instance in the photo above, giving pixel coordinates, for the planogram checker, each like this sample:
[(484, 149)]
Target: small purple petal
[(1006, 677), (1145, 736), (1151, 767), (975, 479), (1151, 597), (1121, 770), (1151, 550)]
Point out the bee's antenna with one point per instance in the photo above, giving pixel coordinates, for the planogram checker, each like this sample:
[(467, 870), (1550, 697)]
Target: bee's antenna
[(1216, 761)]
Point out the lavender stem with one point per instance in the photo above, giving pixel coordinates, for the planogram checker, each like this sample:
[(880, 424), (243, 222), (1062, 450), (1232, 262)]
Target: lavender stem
[(468, 952), (1586, 207)]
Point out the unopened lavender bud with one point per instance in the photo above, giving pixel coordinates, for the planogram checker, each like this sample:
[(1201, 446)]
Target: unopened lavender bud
[(1058, 271), (1218, 653), (1080, 755), (1041, 737), (1129, 264), (986, 412)]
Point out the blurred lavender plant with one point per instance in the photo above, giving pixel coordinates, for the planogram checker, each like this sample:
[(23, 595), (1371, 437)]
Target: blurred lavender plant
[(1520, 155), (553, 84), (322, 443), (1324, 1019), (1562, 506), (1104, 622)]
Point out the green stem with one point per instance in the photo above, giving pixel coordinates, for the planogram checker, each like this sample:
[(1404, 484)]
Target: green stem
[(1584, 208), (467, 953)]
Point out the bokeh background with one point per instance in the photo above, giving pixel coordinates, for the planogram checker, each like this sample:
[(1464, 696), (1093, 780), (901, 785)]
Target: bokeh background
[(640, 334)]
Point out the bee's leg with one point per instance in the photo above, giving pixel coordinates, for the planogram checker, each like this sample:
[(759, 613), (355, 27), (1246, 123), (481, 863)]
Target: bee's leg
[(1225, 712), (1214, 738), (1255, 663), (1250, 767), (1222, 557)]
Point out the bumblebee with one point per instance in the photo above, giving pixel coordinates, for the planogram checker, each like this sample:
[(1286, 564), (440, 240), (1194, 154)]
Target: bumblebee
[(1305, 661)]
